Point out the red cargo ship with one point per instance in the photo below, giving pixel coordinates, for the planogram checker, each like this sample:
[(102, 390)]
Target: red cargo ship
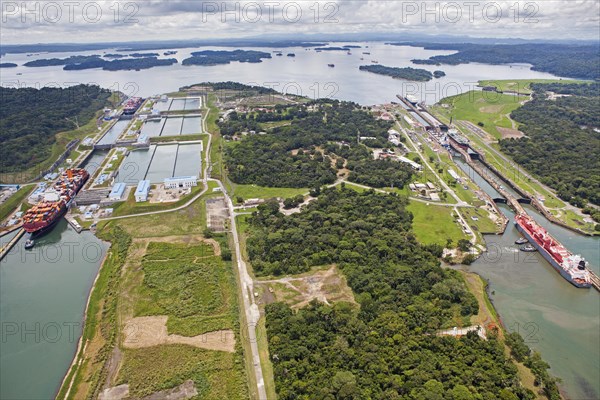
[(131, 105), (570, 266), (43, 216)]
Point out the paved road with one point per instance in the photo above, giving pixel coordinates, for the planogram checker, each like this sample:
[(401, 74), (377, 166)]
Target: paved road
[(250, 308)]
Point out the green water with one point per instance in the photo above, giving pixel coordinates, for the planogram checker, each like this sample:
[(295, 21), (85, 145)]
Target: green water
[(554, 317), (43, 294)]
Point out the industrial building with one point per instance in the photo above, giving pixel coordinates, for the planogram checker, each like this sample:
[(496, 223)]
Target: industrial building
[(117, 192), (142, 191), (181, 182)]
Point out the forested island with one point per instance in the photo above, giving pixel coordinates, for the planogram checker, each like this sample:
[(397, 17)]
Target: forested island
[(138, 55), (8, 65), (562, 142), (52, 62), (30, 119), (574, 61), (216, 57), (95, 61), (406, 73), (333, 48), (123, 64)]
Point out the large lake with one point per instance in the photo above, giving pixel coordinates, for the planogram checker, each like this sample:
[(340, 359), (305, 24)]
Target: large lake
[(306, 74)]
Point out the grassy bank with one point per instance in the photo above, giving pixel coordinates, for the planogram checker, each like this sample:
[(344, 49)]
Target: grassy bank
[(522, 86), (13, 201), (434, 224)]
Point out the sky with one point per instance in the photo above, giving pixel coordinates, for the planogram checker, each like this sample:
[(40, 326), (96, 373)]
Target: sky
[(70, 21)]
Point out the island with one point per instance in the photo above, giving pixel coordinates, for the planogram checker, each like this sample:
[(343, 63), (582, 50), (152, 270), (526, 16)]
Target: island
[(7, 65), (94, 61), (122, 64), (345, 48), (138, 55), (438, 74), (568, 60), (215, 57), (52, 62), (110, 55), (407, 73)]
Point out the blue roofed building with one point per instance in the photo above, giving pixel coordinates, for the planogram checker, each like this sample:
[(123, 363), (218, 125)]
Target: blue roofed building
[(142, 191), (117, 191)]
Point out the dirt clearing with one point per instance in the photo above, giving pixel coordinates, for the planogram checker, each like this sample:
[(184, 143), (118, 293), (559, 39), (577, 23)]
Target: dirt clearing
[(217, 214), (152, 331), (326, 286), (508, 133)]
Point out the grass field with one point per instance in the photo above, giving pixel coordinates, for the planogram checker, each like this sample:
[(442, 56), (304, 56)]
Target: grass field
[(13, 201), (259, 192), (483, 224), (166, 366), (190, 284), (434, 224), (489, 108), (521, 85)]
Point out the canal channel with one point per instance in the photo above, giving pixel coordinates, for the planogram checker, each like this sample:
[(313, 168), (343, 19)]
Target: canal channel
[(554, 317), (43, 295)]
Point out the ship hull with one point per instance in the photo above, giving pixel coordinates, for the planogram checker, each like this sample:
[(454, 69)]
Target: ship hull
[(550, 259), (37, 232)]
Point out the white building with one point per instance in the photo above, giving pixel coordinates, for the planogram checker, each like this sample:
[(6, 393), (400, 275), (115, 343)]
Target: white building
[(453, 174), (414, 165), (117, 192), (181, 182), (142, 191)]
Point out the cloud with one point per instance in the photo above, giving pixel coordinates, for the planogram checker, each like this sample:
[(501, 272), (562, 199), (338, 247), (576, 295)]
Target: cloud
[(93, 21)]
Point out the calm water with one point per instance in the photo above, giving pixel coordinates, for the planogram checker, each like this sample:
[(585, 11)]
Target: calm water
[(160, 162), (554, 317), (173, 126), (114, 132), (43, 293), (306, 74)]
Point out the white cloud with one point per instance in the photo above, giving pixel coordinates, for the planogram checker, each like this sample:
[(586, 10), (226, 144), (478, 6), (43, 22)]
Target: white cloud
[(93, 21)]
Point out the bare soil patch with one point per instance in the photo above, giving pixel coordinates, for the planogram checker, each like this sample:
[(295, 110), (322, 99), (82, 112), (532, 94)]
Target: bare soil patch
[(186, 390), (152, 331), (217, 213), (326, 286), (508, 133)]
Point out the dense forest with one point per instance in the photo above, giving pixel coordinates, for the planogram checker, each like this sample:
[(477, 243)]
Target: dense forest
[(386, 348), (30, 119), (379, 173), (574, 61), (215, 57), (562, 143), (407, 73), (287, 155)]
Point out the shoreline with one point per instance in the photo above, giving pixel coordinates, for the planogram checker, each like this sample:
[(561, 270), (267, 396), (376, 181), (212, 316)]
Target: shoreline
[(74, 362)]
